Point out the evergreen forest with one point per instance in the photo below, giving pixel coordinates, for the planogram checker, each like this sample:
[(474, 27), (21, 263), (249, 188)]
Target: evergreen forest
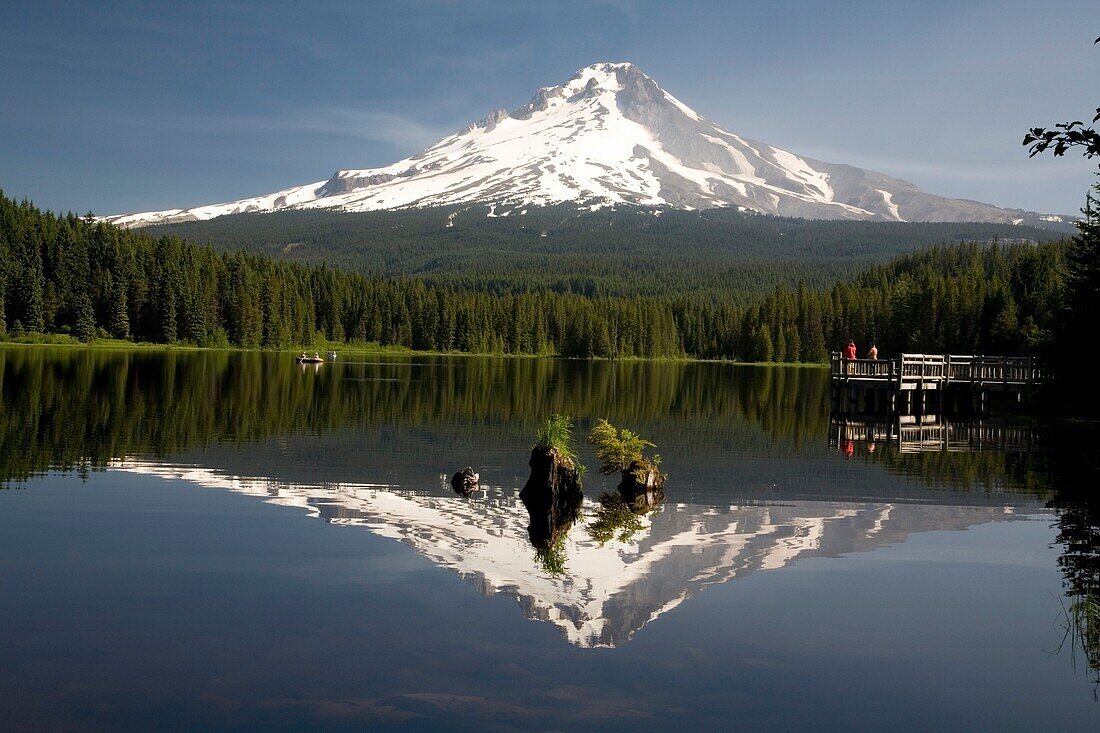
[(65, 274), (724, 255)]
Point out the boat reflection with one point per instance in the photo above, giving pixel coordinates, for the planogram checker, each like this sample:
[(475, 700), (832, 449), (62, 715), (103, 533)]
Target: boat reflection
[(612, 585)]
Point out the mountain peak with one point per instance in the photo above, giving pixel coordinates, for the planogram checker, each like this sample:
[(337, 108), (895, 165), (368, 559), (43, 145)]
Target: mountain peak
[(608, 75), (608, 66), (606, 70), (610, 135)]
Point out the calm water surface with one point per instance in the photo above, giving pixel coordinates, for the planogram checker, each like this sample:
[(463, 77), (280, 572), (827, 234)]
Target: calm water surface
[(204, 541)]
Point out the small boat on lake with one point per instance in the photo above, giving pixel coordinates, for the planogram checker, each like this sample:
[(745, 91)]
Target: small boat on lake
[(303, 359)]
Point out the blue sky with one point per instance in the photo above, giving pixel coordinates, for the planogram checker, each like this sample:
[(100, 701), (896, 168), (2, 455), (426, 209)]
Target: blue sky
[(117, 107)]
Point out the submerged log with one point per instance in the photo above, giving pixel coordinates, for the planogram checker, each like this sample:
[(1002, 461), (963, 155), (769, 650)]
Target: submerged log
[(465, 481), (552, 496)]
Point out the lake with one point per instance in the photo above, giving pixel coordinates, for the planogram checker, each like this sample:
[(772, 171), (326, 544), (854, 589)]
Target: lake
[(231, 541)]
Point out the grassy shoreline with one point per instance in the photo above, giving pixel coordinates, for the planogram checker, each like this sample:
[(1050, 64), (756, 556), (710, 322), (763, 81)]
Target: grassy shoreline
[(365, 349)]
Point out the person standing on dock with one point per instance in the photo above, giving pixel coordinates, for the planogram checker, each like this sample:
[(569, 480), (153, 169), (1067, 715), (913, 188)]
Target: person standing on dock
[(872, 353), (850, 355)]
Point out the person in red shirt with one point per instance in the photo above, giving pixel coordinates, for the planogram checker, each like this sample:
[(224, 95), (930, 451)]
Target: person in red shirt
[(850, 350)]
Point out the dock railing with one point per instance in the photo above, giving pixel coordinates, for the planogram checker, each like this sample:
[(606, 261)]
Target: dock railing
[(1010, 369), (881, 368), (938, 369), (923, 367)]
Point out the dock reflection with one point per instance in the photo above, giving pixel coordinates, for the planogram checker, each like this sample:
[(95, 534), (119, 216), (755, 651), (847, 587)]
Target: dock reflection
[(929, 433)]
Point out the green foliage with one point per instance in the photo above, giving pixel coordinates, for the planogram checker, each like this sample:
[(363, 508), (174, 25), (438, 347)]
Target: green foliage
[(84, 328), (552, 558), (614, 519), (616, 449), (715, 255), (556, 434), (217, 339), (1077, 319), (165, 290), (65, 274), (119, 315), (1084, 625), (641, 471), (1083, 276), (18, 336)]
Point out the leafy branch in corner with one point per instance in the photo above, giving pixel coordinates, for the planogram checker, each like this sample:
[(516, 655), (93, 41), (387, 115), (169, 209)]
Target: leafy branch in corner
[(1064, 136)]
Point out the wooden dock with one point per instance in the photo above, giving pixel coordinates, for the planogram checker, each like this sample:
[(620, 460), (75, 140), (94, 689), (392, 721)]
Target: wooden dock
[(919, 383)]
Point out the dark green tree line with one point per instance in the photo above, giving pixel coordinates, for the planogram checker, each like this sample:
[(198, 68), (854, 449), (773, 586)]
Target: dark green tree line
[(964, 298), (1082, 295), (86, 278)]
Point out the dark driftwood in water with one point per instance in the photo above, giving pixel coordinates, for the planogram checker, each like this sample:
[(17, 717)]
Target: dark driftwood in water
[(642, 486), (465, 481), (552, 496)]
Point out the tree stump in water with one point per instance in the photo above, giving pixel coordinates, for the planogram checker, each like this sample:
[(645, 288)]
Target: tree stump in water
[(642, 486), (552, 496)]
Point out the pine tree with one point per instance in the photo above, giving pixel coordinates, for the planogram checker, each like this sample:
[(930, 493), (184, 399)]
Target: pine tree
[(29, 283), (1082, 303), (84, 327), (196, 320), (119, 323), (167, 331)]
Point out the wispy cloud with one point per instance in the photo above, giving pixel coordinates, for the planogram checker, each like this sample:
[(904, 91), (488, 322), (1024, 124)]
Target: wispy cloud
[(391, 128), (385, 127), (978, 169)]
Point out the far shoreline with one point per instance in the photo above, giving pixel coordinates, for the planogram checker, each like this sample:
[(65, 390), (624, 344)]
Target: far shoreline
[(61, 341)]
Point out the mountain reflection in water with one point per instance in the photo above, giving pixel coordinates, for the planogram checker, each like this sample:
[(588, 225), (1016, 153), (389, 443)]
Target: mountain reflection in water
[(609, 591), (759, 476)]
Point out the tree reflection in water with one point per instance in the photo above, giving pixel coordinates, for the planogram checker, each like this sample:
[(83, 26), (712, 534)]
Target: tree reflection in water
[(67, 408), (1076, 474), (620, 513)]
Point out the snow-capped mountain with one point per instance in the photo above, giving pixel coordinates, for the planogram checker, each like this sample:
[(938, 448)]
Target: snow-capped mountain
[(610, 135)]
